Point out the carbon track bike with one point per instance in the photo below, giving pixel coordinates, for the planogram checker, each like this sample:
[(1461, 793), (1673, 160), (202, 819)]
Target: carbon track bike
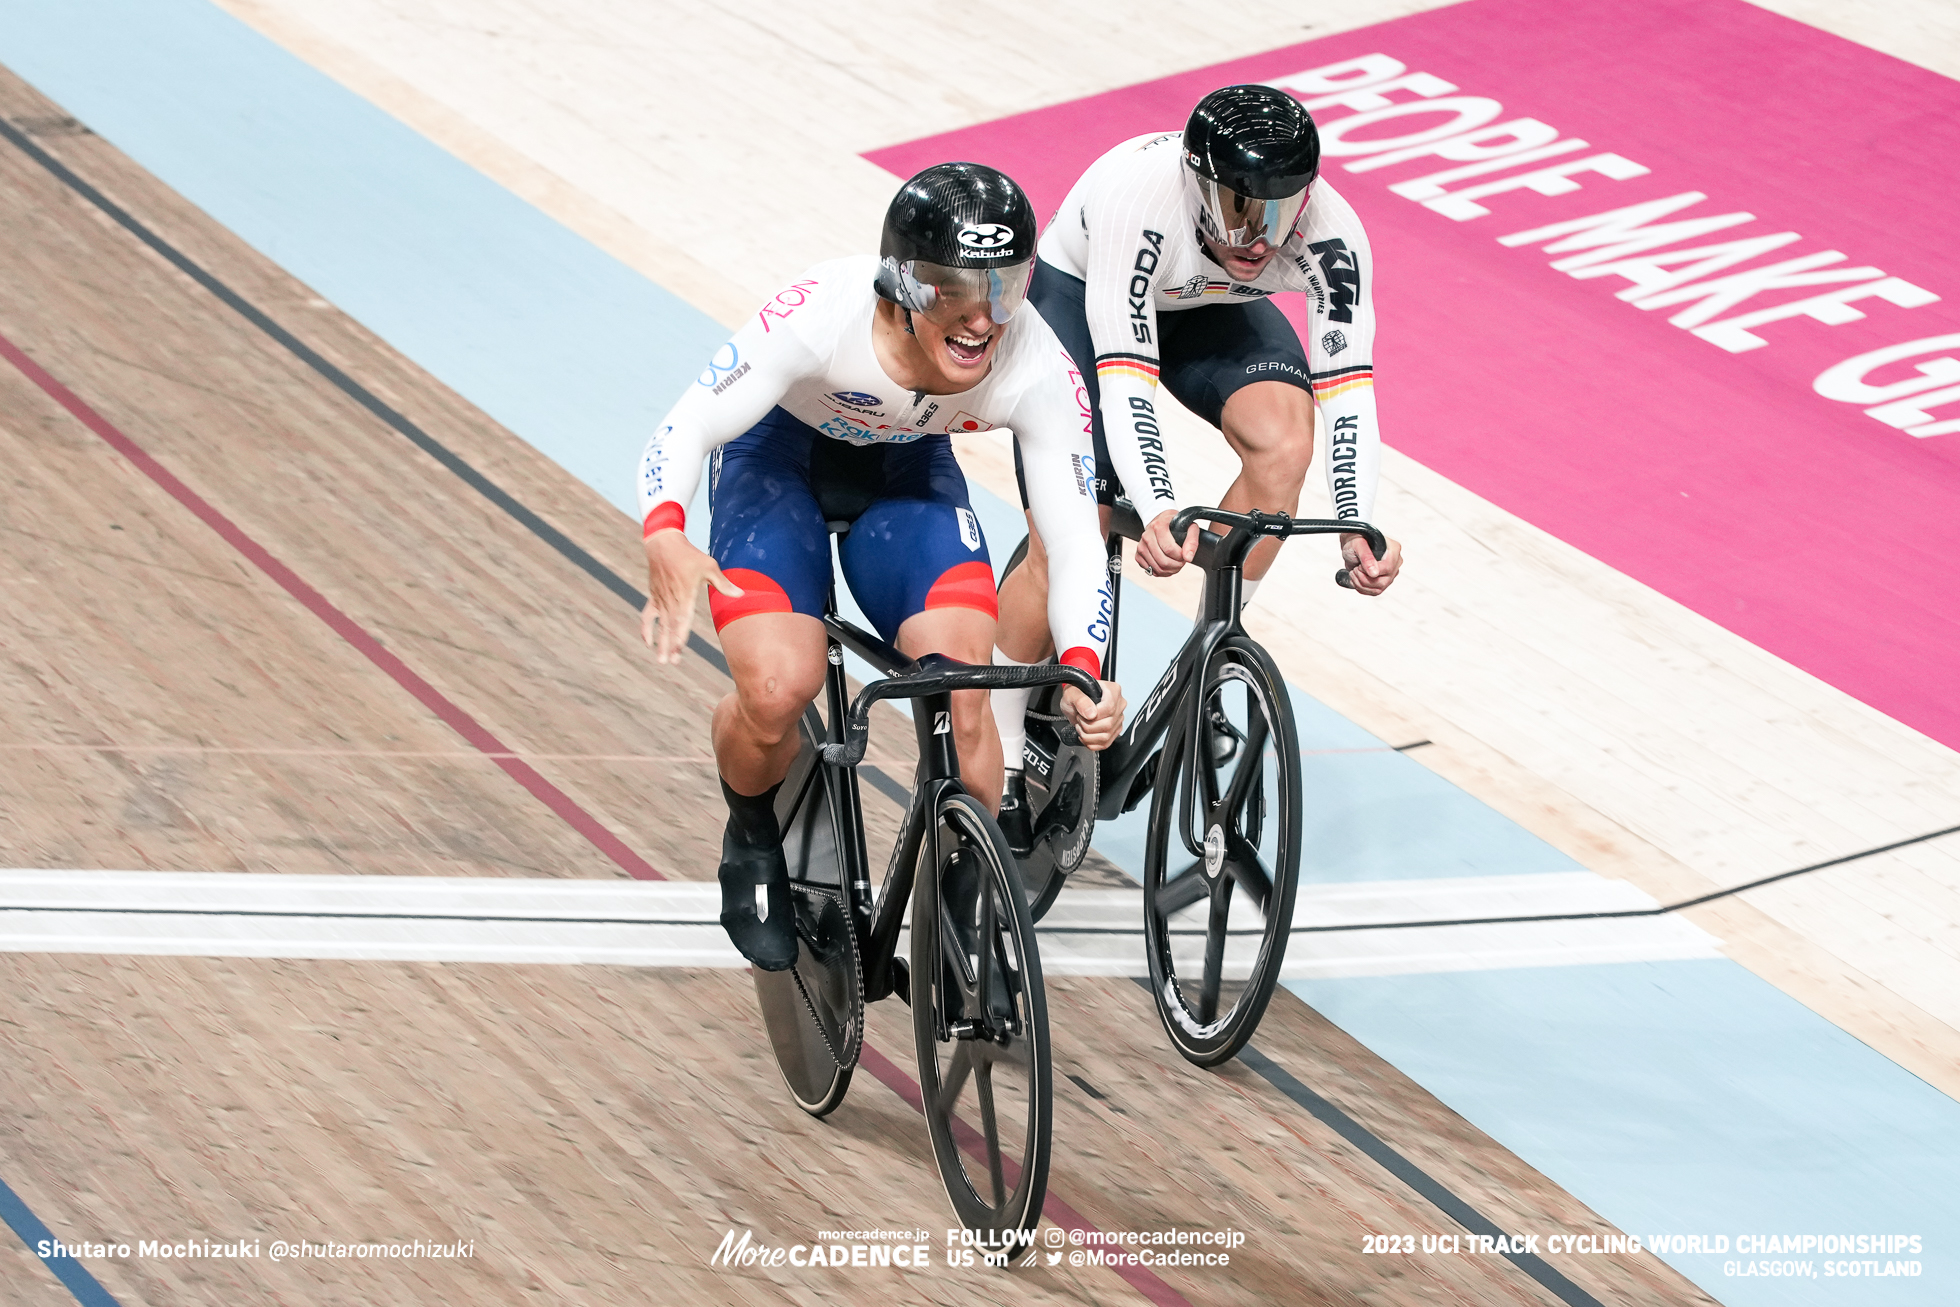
[(979, 1014), (1215, 747)]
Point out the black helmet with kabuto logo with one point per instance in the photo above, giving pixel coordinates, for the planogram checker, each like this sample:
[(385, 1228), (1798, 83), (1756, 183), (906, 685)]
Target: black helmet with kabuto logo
[(956, 235), (1254, 152)]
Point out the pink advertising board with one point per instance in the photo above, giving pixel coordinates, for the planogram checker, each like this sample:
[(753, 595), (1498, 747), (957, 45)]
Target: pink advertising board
[(1741, 388)]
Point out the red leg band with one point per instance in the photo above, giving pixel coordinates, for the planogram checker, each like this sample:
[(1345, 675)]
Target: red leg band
[(759, 595), (965, 585)]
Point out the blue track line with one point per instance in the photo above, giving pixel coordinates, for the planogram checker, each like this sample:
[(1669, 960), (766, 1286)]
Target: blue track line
[(35, 1234)]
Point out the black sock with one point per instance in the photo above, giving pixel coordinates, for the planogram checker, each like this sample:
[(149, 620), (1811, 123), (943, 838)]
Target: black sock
[(752, 817)]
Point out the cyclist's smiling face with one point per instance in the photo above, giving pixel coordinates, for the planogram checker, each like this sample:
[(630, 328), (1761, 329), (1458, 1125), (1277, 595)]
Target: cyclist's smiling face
[(949, 351), (960, 336)]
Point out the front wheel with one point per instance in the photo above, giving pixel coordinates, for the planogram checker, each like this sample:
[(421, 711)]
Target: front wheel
[(1222, 860), (980, 1022)]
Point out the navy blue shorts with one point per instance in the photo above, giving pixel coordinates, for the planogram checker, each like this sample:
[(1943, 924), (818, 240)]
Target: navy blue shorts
[(1205, 356), (914, 542)]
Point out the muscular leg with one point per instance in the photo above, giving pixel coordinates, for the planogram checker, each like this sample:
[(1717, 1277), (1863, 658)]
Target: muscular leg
[(1269, 424), (968, 635), (1024, 635), (777, 662)]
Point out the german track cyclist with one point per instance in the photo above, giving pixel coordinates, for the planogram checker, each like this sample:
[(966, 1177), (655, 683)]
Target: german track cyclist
[(836, 400), (1158, 267)]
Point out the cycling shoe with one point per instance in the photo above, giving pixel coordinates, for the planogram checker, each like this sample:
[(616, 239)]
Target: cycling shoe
[(756, 909), (1015, 821)]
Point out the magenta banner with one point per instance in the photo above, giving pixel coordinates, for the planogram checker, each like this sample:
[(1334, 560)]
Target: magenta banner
[(1676, 282)]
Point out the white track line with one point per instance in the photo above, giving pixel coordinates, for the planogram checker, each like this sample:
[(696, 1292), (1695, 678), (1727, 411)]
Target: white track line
[(1401, 951), (673, 923)]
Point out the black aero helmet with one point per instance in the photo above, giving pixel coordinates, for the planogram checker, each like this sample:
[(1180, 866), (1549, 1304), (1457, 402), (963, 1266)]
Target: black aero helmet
[(1254, 152), (955, 235)]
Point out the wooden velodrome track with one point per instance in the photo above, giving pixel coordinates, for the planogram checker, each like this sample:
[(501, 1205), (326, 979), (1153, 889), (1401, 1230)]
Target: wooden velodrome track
[(253, 628)]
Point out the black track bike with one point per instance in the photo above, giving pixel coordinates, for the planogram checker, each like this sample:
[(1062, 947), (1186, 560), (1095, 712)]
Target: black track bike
[(1215, 748), (979, 1016)]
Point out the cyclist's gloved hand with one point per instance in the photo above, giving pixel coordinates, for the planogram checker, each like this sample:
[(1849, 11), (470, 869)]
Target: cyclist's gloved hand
[(1367, 574), (675, 571), (1159, 552), (1098, 724)]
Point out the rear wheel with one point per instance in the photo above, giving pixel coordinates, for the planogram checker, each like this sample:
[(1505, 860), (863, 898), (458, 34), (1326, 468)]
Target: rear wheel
[(980, 1022), (1061, 778), (814, 1012), (1222, 860)]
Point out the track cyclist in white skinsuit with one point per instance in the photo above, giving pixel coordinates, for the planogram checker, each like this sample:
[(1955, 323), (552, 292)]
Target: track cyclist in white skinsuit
[(835, 402), (1158, 267)]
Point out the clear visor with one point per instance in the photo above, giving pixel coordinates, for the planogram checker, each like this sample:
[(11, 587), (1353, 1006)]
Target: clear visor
[(951, 295), (1238, 221)]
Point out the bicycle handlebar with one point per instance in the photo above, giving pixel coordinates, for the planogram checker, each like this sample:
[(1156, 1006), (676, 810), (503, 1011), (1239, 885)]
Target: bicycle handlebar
[(937, 678), (1278, 524), (1282, 525)]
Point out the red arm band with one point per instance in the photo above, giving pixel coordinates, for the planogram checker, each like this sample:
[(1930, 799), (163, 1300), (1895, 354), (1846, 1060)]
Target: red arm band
[(1084, 657), (663, 516)]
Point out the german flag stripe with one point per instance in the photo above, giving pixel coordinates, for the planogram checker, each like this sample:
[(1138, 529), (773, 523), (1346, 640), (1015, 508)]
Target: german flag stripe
[(1329, 390), (1342, 372), (1134, 365)]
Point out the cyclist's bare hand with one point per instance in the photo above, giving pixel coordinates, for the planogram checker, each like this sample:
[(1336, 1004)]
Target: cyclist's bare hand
[(1366, 573), (1159, 552), (675, 571), (1098, 724)]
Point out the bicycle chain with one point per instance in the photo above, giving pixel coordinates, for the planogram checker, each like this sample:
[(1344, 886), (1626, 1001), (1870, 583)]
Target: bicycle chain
[(803, 991)]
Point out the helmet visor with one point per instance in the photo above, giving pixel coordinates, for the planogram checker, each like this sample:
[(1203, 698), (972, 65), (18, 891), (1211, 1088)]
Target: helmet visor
[(1237, 221), (946, 295)]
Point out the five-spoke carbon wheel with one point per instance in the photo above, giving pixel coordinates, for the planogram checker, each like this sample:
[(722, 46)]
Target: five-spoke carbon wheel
[(981, 1024), (1222, 861)]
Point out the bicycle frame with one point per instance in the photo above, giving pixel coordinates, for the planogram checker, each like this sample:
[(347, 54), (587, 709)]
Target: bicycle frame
[(929, 683), (1223, 559), (876, 921)]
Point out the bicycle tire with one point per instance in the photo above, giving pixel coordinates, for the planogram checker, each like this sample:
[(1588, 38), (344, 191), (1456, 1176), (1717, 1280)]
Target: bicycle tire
[(947, 992), (1248, 840), (1056, 771), (814, 1012)]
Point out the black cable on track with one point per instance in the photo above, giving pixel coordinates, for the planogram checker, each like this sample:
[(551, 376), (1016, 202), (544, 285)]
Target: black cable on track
[(1662, 910)]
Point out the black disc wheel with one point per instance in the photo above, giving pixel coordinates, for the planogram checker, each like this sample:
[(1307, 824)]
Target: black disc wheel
[(814, 1011), (1222, 859), (981, 1025)]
